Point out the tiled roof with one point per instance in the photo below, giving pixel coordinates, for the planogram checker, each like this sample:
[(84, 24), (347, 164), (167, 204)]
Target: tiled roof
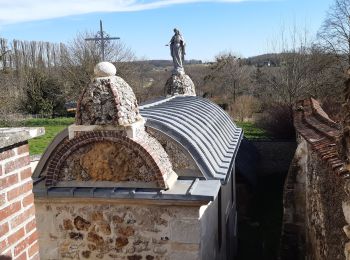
[(202, 127), (323, 134)]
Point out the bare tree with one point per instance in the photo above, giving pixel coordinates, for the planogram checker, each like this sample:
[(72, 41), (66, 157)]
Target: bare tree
[(37, 74), (4, 51), (196, 72), (334, 34), (227, 76), (288, 81), (245, 106), (79, 57), (324, 80)]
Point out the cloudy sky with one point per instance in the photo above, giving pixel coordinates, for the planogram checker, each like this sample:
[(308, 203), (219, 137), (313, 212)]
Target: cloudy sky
[(245, 27)]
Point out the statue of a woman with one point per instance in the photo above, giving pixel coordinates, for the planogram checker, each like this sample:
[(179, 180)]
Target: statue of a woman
[(177, 51)]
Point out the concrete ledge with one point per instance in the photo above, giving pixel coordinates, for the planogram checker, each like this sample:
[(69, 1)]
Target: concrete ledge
[(10, 136)]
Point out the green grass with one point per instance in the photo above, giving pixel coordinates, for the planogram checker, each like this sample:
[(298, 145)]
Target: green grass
[(39, 144), (56, 125), (251, 131), (65, 121), (52, 128)]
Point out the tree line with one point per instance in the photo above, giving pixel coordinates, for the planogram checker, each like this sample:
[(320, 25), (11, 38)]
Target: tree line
[(40, 77), (272, 83)]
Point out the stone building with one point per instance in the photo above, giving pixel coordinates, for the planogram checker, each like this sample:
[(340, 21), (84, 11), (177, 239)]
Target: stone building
[(155, 181), (316, 192)]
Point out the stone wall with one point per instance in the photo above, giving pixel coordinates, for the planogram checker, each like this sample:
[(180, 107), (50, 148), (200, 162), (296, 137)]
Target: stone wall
[(313, 218), (183, 163), (18, 234), (314, 193), (344, 142), (106, 229), (293, 238)]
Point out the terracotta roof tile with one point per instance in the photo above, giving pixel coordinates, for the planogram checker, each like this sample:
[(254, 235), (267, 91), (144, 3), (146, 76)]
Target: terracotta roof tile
[(312, 123)]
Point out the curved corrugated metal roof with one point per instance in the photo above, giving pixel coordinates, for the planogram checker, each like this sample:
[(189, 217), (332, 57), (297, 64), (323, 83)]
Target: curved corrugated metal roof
[(201, 127)]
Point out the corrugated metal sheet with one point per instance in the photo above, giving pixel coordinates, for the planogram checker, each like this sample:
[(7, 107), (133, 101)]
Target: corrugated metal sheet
[(201, 127)]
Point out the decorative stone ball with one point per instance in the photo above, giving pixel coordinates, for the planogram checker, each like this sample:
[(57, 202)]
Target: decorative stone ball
[(104, 69)]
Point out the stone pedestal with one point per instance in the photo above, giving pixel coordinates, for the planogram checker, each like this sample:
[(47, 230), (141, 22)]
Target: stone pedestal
[(179, 84)]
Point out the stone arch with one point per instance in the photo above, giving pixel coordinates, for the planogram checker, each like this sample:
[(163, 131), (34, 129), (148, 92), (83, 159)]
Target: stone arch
[(57, 160)]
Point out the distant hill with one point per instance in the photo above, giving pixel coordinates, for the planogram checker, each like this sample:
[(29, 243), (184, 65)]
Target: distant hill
[(167, 63), (264, 60)]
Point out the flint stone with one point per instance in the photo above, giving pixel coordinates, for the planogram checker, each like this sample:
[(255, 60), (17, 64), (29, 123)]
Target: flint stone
[(180, 84)]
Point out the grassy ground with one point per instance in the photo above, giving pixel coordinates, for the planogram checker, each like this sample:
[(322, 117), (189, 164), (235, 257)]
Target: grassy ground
[(56, 125), (52, 128), (251, 131)]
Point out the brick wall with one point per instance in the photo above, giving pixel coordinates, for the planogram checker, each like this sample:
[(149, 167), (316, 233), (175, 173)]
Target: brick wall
[(18, 234)]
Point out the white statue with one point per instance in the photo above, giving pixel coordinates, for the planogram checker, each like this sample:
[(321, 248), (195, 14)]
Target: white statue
[(177, 51)]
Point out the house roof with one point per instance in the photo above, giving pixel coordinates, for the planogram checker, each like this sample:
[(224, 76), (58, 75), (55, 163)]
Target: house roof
[(203, 128)]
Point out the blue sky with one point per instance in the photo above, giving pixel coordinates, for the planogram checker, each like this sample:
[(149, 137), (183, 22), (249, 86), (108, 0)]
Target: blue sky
[(208, 26)]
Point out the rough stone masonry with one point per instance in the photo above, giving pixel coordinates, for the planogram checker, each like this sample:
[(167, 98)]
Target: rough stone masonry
[(313, 218), (108, 137), (106, 187)]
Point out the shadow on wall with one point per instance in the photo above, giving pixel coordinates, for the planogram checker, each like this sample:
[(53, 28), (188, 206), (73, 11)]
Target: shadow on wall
[(260, 183)]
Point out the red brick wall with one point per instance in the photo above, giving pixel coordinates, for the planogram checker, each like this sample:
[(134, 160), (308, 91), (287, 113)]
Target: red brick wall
[(18, 234)]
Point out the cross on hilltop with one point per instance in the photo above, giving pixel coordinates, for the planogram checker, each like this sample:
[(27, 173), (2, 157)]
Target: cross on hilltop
[(100, 37)]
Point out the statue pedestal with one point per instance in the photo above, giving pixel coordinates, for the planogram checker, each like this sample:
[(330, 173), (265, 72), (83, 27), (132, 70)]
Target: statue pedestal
[(179, 84)]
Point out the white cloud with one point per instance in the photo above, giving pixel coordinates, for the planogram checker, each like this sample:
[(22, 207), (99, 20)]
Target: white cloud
[(15, 11)]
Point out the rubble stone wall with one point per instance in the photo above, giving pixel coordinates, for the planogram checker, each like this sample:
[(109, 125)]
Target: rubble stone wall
[(183, 163), (313, 217), (72, 229), (107, 101)]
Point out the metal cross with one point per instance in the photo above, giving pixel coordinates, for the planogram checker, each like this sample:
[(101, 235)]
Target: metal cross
[(100, 37)]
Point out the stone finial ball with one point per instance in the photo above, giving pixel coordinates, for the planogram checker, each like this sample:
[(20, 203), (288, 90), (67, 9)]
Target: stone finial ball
[(104, 69)]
